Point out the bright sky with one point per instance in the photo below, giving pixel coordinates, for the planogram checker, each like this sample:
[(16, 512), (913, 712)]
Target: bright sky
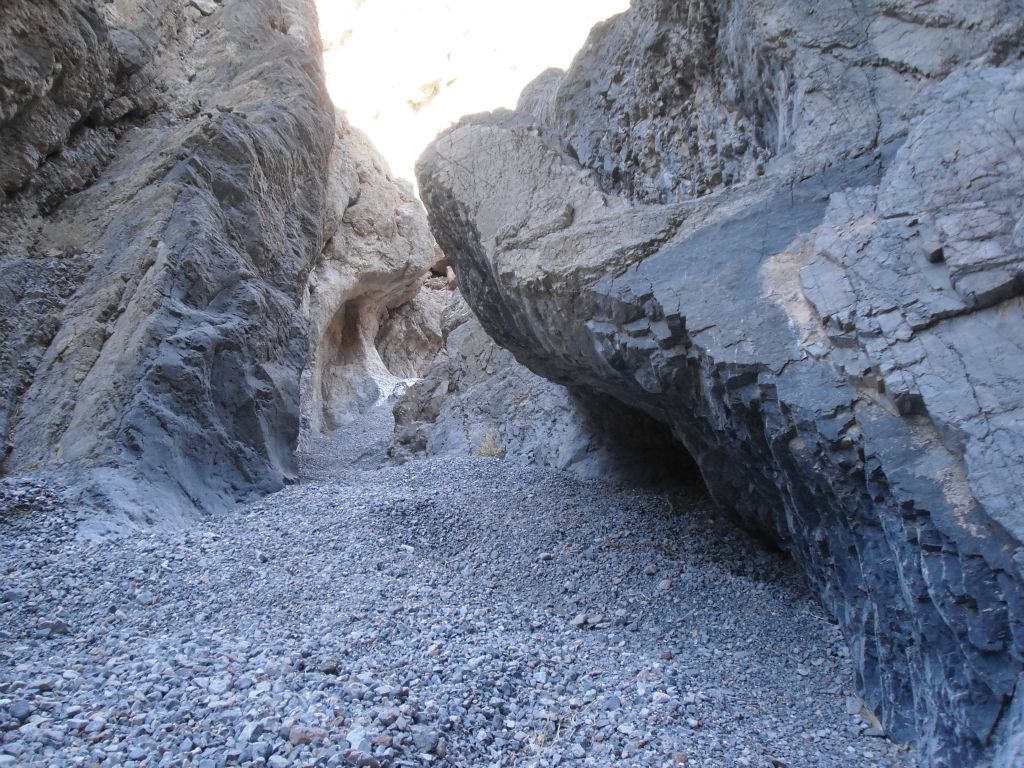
[(405, 69)]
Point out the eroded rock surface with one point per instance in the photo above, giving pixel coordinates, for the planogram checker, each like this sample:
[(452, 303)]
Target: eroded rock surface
[(177, 205), (158, 231), (477, 399), (369, 327), (793, 233)]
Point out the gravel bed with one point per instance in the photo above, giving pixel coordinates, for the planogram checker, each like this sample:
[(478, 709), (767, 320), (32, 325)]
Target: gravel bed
[(450, 612)]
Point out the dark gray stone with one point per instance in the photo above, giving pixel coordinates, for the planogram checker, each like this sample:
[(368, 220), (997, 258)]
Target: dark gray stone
[(730, 216), (186, 229)]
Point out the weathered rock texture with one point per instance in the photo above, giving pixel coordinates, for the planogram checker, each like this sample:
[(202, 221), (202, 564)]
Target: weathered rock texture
[(167, 188), (477, 399), (792, 231), (364, 292)]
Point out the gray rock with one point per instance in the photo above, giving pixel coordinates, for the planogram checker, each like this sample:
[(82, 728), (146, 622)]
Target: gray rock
[(205, 7), (426, 739), (729, 216), (166, 273), (221, 684), (20, 710), (305, 735), (182, 257), (369, 324), (359, 740), (476, 399), (262, 749), (251, 732), (463, 644)]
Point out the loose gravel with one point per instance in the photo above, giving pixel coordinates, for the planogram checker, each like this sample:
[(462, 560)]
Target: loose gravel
[(449, 612)]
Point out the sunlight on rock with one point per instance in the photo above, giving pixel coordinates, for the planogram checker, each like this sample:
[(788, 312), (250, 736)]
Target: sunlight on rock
[(405, 69)]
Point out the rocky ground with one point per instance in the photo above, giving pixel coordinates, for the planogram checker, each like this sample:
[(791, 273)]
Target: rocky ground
[(454, 612)]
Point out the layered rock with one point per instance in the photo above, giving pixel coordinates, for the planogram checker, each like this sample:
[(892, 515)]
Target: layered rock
[(174, 186), (477, 399), (793, 234)]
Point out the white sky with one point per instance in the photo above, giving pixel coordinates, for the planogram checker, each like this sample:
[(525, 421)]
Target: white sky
[(452, 57)]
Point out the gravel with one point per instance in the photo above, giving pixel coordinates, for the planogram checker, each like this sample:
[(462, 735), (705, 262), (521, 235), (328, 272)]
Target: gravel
[(450, 612)]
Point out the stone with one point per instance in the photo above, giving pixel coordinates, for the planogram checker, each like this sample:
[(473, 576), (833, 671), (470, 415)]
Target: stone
[(359, 740), (475, 392), (251, 732), (426, 739), (305, 735), (755, 264), (20, 710), (57, 626), (262, 749), (186, 264), (221, 685), (205, 7)]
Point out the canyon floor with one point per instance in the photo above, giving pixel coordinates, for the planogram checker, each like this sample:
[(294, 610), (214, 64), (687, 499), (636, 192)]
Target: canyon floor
[(460, 612)]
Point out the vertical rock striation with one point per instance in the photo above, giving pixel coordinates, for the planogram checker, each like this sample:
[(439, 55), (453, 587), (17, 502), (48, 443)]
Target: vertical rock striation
[(163, 209), (792, 232)]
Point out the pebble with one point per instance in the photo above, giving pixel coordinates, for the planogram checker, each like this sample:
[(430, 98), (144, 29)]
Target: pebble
[(433, 613)]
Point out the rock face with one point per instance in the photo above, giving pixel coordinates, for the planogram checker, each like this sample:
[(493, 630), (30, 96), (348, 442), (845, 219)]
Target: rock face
[(171, 174), (363, 292), (476, 399), (794, 234)]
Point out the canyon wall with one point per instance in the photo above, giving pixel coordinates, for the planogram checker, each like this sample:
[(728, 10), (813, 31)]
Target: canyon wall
[(475, 398), (174, 187), (792, 232), (369, 324)]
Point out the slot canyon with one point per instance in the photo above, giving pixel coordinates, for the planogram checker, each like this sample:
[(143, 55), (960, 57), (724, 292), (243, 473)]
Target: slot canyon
[(672, 415)]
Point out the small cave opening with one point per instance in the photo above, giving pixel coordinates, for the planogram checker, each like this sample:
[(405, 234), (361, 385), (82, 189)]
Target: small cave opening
[(364, 345), (346, 374), (352, 371), (641, 449)]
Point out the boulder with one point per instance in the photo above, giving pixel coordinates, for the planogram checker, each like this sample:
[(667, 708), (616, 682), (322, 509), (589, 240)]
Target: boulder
[(793, 235)]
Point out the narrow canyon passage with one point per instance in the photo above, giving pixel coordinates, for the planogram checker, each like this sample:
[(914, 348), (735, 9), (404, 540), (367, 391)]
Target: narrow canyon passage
[(312, 457), (450, 611)]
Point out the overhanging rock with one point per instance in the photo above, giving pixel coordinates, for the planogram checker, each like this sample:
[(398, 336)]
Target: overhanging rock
[(823, 301)]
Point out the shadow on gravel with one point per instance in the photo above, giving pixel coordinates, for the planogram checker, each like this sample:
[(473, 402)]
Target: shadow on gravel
[(642, 450)]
